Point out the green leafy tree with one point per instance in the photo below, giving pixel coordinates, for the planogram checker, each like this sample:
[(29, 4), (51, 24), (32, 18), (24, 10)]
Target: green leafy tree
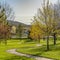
[(56, 21), (48, 18), (44, 16), (35, 32)]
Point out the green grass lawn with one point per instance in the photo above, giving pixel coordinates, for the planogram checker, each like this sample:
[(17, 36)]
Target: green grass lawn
[(29, 47), (32, 48), (11, 44)]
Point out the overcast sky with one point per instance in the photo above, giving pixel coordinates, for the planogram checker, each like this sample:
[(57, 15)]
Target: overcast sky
[(25, 9)]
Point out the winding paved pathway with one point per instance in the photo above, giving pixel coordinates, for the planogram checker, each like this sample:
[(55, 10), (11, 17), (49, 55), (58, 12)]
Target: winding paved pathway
[(13, 51)]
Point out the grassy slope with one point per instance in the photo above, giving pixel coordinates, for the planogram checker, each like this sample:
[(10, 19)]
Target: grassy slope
[(53, 53), (11, 44)]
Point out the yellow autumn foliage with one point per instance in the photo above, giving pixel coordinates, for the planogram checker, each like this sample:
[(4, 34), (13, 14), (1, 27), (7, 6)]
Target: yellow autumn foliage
[(35, 31)]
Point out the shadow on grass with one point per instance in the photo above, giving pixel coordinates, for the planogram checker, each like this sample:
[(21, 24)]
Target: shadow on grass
[(39, 51), (18, 58)]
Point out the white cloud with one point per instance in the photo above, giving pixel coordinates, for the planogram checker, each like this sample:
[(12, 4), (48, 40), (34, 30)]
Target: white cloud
[(24, 9)]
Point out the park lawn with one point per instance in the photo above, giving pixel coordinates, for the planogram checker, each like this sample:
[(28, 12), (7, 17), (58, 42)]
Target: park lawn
[(53, 53), (11, 45)]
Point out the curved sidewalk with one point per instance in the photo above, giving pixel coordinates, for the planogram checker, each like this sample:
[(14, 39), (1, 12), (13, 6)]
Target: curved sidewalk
[(13, 51)]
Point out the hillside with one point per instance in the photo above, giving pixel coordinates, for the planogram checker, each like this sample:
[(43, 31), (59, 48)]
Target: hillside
[(16, 23)]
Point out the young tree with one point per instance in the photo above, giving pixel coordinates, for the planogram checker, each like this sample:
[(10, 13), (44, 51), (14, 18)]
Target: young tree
[(49, 17), (35, 32), (56, 21), (45, 16), (4, 32), (4, 26)]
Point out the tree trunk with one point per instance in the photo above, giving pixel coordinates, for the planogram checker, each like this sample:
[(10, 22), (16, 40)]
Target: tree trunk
[(0, 41), (54, 37), (5, 42), (39, 40), (47, 42)]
